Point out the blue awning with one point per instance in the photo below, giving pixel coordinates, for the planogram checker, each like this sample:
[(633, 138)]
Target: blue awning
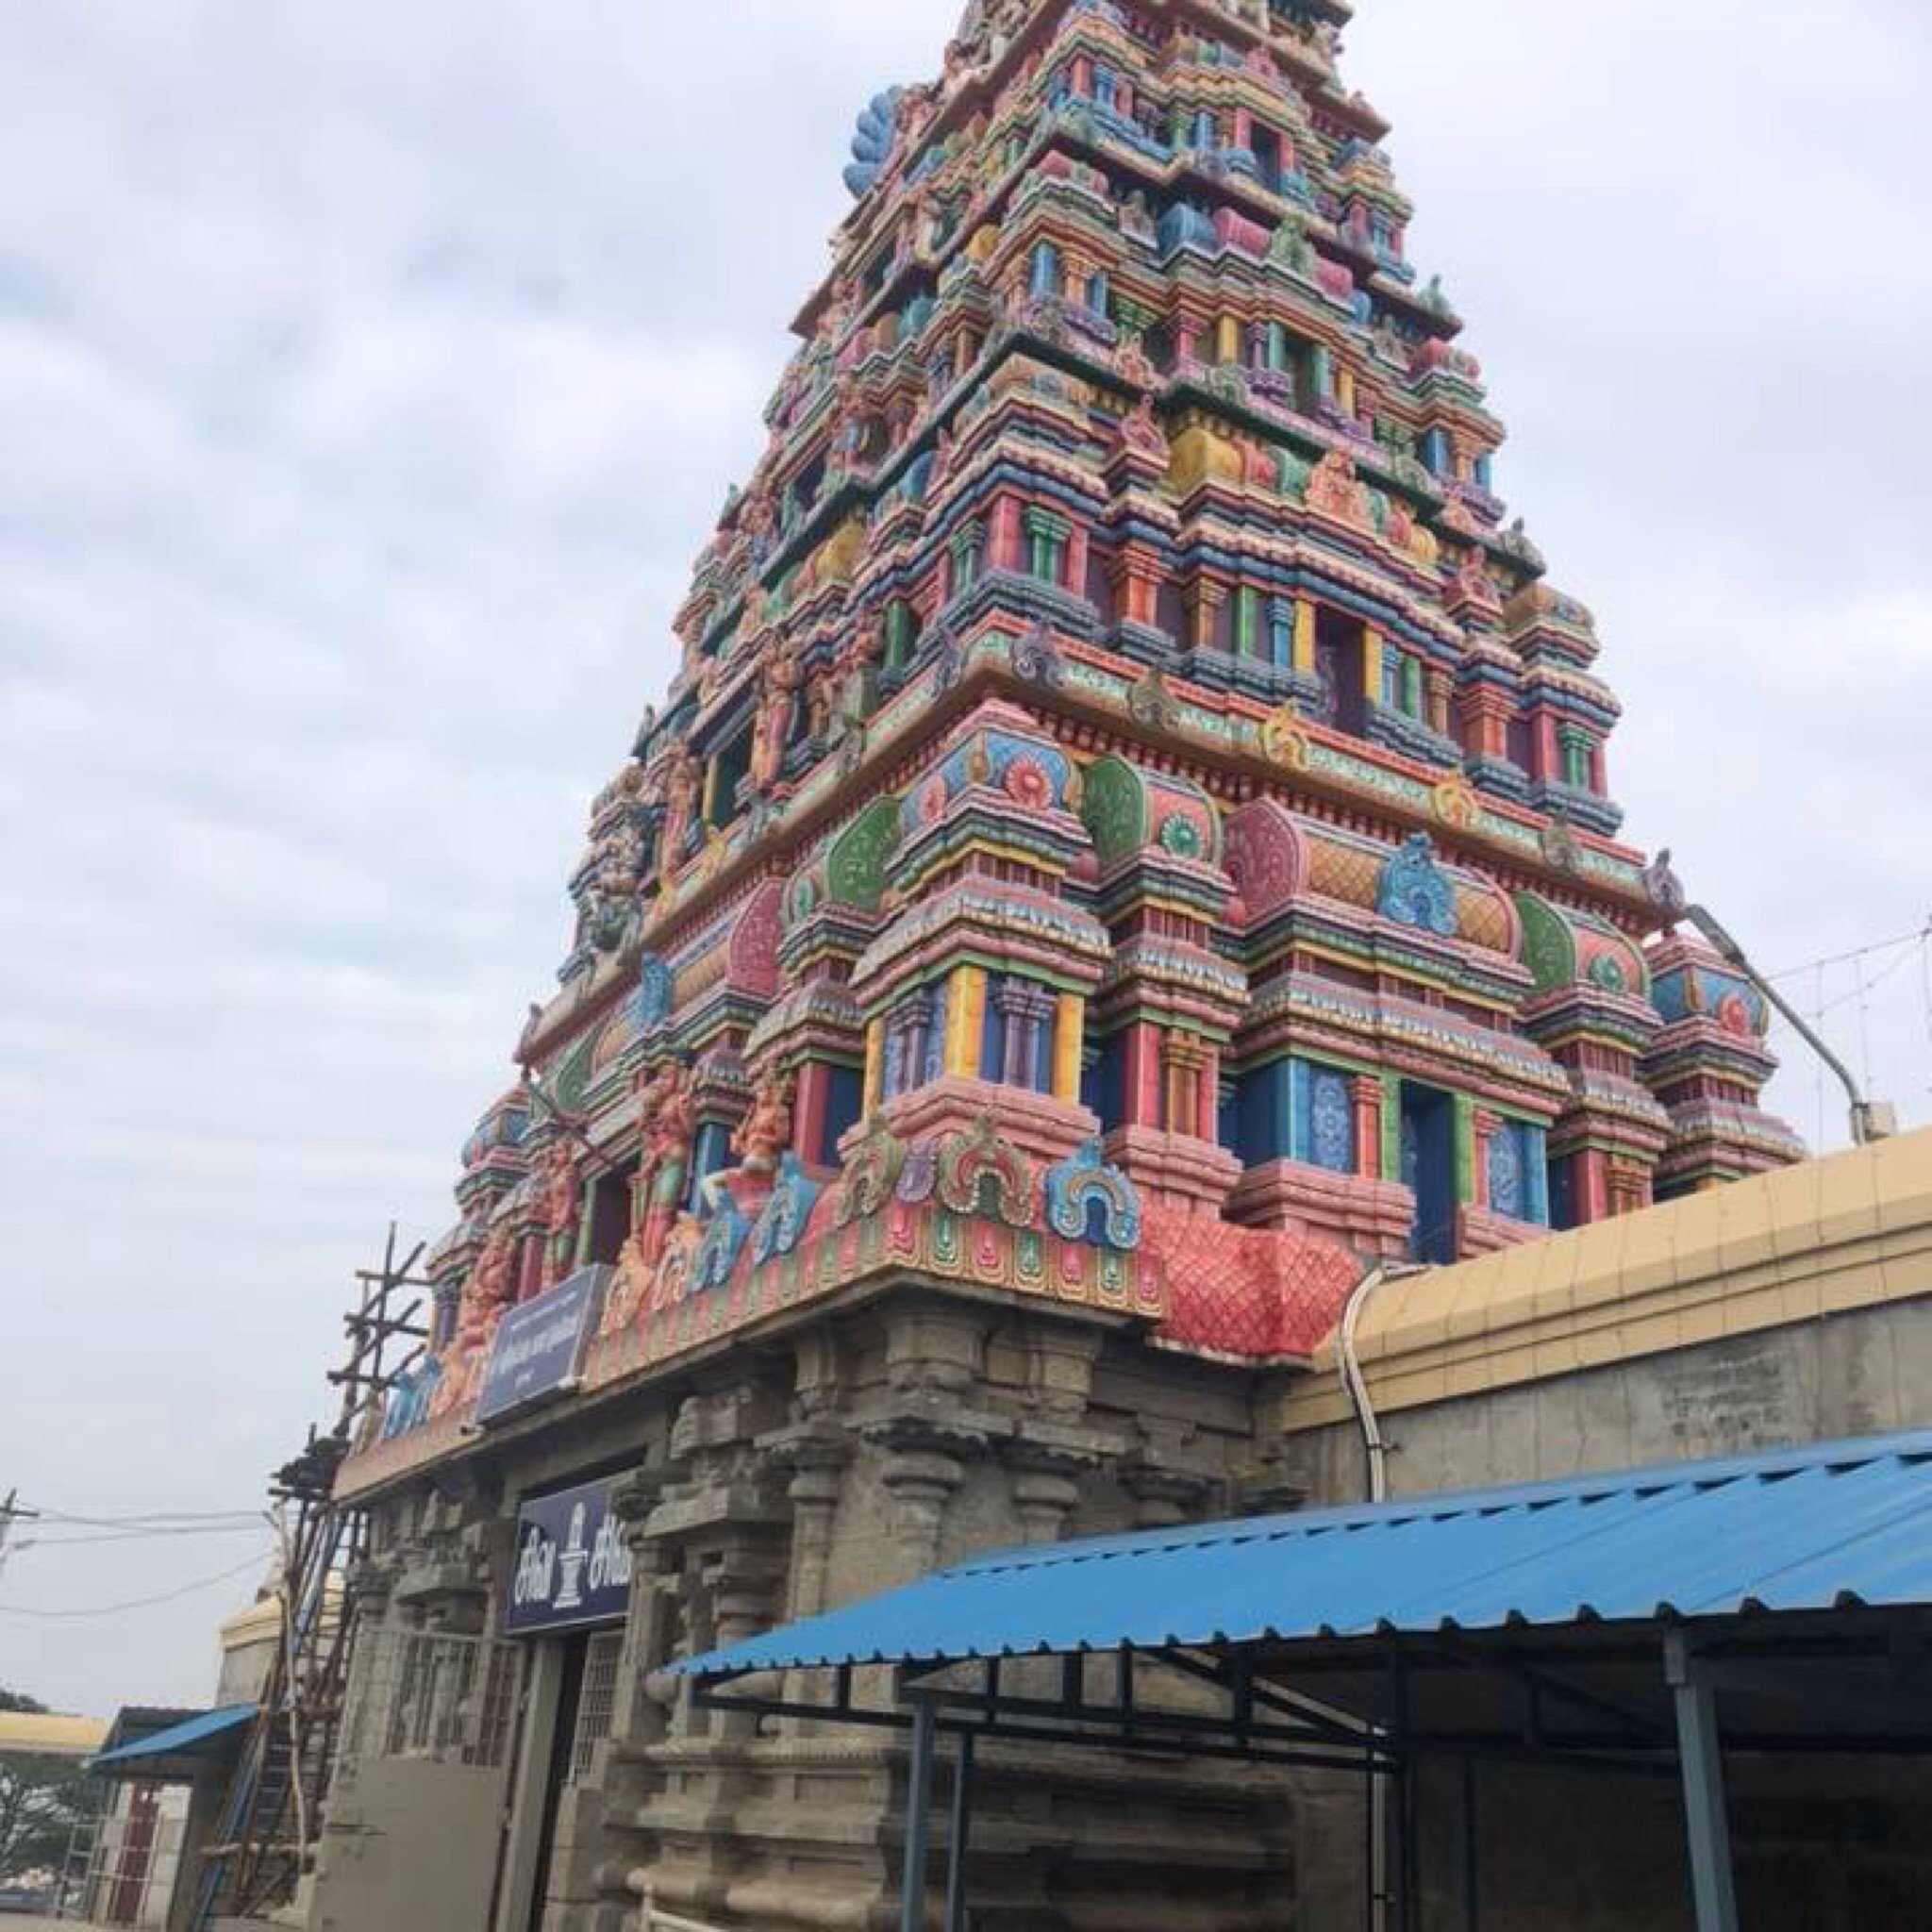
[(1827, 1526), (193, 1735)]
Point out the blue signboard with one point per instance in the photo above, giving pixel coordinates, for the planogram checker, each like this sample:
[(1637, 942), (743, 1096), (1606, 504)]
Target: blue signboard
[(538, 1349), (573, 1565)]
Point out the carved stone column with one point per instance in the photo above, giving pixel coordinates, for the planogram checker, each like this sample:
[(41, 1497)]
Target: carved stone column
[(814, 1454), (1484, 1128), (1366, 1093), (925, 1464), (1045, 1491), (1438, 701), (1163, 1496)]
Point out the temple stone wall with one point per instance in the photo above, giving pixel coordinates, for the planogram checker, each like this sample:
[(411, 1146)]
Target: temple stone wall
[(909, 1432), (1864, 1372), (855, 1454)]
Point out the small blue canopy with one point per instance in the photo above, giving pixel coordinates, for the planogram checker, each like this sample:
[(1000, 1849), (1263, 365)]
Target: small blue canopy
[(1825, 1526), (185, 1738)]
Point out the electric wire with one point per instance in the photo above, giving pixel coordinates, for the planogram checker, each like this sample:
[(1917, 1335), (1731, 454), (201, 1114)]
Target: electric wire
[(140, 1603), (127, 1536), (155, 1518), (1905, 939)]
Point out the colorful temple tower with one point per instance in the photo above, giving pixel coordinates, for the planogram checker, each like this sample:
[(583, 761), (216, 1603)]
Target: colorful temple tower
[(1124, 755), (1131, 835)]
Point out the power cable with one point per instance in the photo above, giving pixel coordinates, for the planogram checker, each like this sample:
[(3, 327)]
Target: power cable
[(128, 1536), (1904, 939), (142, 1602), (152, 1517)]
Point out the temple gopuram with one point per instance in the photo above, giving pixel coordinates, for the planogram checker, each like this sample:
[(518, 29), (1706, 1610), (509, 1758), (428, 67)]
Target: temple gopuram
[(1130, 850)]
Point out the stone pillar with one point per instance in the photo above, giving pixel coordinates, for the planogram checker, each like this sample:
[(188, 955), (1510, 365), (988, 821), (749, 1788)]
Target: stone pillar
[(1182, 1061), (1207, 1096), (1589, 1186), (1076, 560), (1003, 547), (1366, 1091), (644, 1699), (1045, 1491), (1205, 598), (1069, 1046), (1135, 574), (1164, 1495), (923, 1466), (1628, 1186), (1438, 701), (814, 1098), (817, 1458), (1305, 636), (1141, 1075), (1485, 714), (1485, 1126), (965, 1020)]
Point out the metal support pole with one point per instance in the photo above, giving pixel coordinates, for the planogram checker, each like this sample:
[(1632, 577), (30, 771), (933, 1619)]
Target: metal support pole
[(918, 1808), (1371, 1843), (1470, 1883), (961, 1830), (1701, 1758), (1403, 1876)]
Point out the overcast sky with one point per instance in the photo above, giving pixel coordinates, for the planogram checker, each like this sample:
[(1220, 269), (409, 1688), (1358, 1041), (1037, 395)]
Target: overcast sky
[(370, 375)]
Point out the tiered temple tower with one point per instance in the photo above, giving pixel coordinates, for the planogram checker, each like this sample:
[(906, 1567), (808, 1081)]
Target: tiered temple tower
[(1132, 833), (1122, 744)]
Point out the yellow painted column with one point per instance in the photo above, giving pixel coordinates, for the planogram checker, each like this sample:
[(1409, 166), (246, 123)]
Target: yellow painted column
[(1344, 388), (710, 797), (1304, 636), (1069, 1044), (1227, 343), (965, 1020), (1372, 665), (874, 1063)]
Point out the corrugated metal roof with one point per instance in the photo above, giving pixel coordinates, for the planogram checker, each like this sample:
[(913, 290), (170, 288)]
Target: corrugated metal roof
[(187, 1736), (1803, 1530)]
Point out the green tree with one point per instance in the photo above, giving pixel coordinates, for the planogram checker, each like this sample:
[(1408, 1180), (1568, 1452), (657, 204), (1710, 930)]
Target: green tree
[(40, 1800)]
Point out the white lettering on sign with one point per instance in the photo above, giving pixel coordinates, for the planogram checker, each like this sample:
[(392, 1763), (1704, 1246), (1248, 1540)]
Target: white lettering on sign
[(553, 1332), (609, 1558), (536, 1568), (588, 1565)]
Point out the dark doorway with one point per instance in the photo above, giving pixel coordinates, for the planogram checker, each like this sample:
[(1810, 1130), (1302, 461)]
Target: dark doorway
[(1339, 671), (610, 1213), (562, 1744), (1428, 1170)]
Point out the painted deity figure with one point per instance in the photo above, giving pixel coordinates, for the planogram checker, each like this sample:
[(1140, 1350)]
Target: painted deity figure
[(851, 682), (777, 713), (562, 1208), (486, 1297), (821, 695), (766, 1130), (667, 1113), (760, 523), (1141, 429), (683, 781)]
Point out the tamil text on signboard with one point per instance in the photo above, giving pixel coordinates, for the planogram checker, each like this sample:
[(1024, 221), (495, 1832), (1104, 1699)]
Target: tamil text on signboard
[(538, 1349), (572, 1566)]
